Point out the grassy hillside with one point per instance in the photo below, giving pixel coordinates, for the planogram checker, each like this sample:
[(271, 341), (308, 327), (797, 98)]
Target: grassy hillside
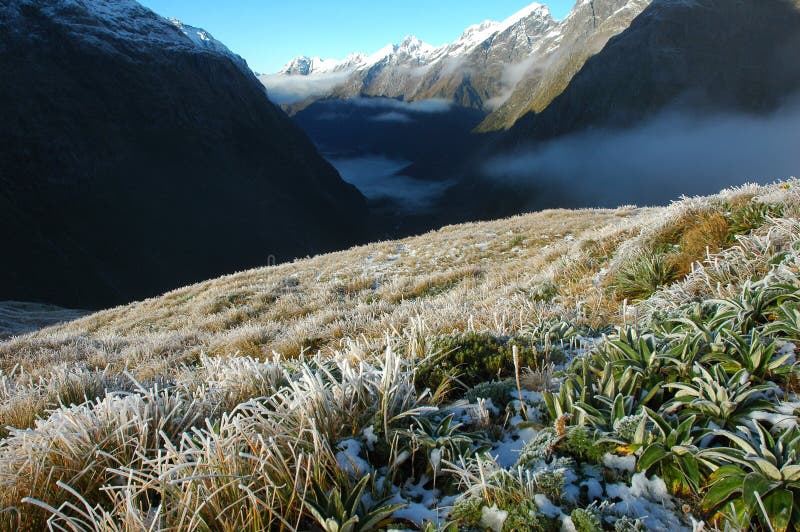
[(611, 369)]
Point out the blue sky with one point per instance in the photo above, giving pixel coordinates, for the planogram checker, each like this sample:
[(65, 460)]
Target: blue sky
[(268, 33)]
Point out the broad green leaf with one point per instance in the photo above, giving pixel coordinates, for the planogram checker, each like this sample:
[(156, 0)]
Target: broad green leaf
[(721, 491), (755, 483), (654, 453), (767, 468), (791, 472), (692, 471), (779, 506)]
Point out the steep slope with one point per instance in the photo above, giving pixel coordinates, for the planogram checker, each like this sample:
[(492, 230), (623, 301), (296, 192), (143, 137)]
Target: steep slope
[(192, 411), (501, 275), (18, 318), (481, 75), (714, 55), (585, 32), (137, 155)]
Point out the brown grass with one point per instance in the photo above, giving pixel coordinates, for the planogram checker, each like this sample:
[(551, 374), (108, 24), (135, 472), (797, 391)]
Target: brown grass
[(495, 276), (704, 233)]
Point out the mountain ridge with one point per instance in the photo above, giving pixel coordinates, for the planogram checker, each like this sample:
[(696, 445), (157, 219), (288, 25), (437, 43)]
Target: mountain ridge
[(699, 54), (490, 67), (134, 158)]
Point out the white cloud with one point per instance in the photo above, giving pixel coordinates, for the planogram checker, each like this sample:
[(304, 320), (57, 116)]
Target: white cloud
[(512, 75), (283, 89), (433, 105), (392, 116), (380, 177), (673, 154)]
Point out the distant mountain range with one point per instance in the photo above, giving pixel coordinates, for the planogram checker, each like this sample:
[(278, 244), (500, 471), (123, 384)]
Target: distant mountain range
[(506, 69), (138, 154), (609, 66)]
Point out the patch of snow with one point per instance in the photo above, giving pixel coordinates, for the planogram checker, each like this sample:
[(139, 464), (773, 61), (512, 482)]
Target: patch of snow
[(594, 490), (414, 512), (422, 504), (646, 499), (567, 525), (546, 506), (620, 463), (572, 493), (349, 460), (493, 518), (507, 451), (369, 437)]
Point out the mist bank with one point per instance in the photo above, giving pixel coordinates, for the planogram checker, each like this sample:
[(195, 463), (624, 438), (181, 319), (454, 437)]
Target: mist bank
[(676, 153), (381, 179)]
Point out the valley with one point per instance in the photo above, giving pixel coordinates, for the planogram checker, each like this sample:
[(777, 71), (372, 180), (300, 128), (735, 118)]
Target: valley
[(685, 104)]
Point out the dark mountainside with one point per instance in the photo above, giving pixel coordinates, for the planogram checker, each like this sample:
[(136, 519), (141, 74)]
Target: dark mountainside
[(699, 58), (129, 167), (701, 55)]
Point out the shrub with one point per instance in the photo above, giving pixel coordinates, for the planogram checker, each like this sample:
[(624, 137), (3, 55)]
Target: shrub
[(760, 477), (499, 392), (719, 399), (524, 518), (545, 291), (585, 520), (472, 358), (643, 275), (671, 455), (752, 215), (583, 445), (706, 233), (343, 509)]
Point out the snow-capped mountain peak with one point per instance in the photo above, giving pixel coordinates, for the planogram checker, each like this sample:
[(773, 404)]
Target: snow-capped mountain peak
[(113, 22), (489, 64), (473, 36), (412, 50), (533, 10), (202, 38), (299, 66), (411, 44)]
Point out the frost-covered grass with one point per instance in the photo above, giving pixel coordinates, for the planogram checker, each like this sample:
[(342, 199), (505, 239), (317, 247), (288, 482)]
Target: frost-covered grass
[(483, 377)]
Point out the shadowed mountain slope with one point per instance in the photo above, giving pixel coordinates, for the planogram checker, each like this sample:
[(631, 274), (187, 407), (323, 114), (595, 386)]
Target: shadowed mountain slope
[(136, 157)]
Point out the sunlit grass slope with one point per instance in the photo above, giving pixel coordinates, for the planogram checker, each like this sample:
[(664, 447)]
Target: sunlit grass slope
[(596, 369)]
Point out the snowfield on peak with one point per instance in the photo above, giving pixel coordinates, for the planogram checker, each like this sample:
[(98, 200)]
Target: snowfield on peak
[(110, 22), (415, 49), (501, 68)]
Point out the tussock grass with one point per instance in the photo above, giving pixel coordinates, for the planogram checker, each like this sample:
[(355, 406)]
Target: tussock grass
[(258, 400)]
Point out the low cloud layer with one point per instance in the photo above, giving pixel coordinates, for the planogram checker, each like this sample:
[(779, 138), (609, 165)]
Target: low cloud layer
[(671, 155), (392, 116), (434, 105), (512, 75), (380, 177), (284, 90)]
